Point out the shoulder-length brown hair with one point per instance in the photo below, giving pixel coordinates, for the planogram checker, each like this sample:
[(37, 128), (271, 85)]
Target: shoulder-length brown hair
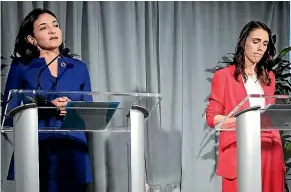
[(239, 57), (23, 50)]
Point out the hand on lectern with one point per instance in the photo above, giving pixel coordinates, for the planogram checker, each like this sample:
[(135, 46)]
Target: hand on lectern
[(61, 103), (230, 123)]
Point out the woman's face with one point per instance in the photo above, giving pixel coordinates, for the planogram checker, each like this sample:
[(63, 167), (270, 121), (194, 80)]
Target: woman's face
[(256, 45), (47, 33)]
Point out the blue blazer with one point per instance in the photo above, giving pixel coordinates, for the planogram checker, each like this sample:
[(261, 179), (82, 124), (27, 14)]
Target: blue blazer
[(73, 75)]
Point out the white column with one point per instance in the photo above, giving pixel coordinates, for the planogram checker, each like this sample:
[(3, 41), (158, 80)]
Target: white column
[(26, 150), (137, 151), (249, 151)]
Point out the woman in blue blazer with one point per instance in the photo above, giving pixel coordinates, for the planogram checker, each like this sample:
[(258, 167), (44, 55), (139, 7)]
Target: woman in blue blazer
[(63, 157)]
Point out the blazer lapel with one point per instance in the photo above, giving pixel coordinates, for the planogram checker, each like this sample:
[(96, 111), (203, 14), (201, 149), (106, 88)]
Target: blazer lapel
[(243, 93), (62, 66)]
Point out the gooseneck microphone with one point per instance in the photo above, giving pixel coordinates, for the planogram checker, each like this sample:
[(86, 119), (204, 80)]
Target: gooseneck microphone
[(41, 100), (64, 51)]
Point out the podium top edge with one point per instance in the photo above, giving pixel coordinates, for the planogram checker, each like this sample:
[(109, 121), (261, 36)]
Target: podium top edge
[(97, 93), (21, 108)]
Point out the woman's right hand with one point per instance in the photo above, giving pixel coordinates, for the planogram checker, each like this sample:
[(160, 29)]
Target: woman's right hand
[(61, 103), (229, 123)]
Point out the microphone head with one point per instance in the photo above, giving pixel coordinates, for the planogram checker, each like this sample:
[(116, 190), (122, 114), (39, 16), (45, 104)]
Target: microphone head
[(65, 51)]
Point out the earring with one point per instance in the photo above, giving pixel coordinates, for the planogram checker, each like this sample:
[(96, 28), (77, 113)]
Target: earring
[(28, 52)]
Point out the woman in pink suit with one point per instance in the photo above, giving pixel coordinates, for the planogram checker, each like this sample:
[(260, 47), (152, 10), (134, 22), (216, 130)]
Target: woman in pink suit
[(247, 75)]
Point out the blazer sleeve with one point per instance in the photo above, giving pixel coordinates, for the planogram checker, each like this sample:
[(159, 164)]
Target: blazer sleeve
[(216, 99), (14, 81), (86, 86)]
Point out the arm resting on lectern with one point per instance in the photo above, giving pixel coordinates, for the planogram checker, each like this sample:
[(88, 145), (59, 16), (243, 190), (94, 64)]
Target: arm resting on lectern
[(216, 107), (229, 123)]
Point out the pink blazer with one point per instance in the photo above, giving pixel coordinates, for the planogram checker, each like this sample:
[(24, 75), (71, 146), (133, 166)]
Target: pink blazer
[(226, 94)]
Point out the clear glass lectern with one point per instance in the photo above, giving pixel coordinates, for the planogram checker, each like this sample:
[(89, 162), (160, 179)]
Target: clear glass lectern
[(251, 121), (26, 113)]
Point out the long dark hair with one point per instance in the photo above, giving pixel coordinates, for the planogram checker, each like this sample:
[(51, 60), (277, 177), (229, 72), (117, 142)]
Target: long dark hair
[(239, 57), (23, 49)]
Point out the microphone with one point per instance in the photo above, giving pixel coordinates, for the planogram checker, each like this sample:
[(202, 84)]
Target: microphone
[(64, 51), (40, 100)]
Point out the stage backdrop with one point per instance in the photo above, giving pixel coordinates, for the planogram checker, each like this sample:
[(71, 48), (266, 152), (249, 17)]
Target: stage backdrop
[(160, 47)]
